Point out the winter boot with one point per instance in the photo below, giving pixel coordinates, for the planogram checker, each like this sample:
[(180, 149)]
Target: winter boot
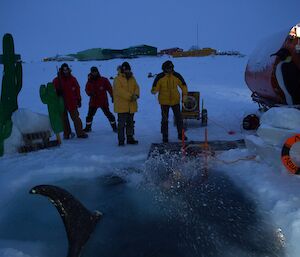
[(165, 139), (114, 126), (131, 141), (84, 135), (70, 136), (121, 143), (88, 127), (180, 137)]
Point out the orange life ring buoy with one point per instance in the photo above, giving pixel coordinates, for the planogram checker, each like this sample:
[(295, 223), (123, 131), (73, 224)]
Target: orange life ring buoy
[(285, 154)]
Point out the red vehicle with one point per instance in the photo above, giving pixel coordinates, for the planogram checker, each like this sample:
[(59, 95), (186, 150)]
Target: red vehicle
[(263, 76)]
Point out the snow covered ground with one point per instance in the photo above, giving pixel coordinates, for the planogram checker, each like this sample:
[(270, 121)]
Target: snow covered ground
[(220, 81)]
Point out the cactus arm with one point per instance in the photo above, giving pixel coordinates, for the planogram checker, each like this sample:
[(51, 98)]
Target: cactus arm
[(19, 78), (43, 94)]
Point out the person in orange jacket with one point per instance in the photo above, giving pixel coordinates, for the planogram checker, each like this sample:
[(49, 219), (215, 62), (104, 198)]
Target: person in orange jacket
[(96, 88), (66, 85)]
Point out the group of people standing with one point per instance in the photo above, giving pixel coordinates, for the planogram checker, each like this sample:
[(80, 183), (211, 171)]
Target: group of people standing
[(124, 95)]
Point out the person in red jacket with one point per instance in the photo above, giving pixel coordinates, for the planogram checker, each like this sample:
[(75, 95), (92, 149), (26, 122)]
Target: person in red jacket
[(97, 88), (66, 85)]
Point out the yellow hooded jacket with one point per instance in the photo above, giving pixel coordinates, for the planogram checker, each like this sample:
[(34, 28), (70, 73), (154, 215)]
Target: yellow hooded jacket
[(167, 87), (123, 89)]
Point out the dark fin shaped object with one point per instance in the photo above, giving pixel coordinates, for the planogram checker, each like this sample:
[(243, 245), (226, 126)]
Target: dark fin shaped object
[(79, 222)]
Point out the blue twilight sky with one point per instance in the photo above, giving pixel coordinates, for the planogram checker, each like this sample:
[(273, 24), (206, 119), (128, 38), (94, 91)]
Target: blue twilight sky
[(47, 27)]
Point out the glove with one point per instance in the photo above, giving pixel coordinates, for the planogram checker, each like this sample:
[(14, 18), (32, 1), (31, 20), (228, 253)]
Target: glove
[(79, 103), (134, 98)]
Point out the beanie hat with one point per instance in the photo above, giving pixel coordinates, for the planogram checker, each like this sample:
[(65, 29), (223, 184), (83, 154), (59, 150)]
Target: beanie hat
[(166, 65), (94, 69), (125, 66), (64, 65)]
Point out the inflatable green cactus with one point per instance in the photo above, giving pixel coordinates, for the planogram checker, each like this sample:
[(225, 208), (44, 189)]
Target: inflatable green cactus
[(11, 86), (55, 106)]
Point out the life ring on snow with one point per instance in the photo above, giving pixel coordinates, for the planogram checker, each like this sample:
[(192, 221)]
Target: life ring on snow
[(285, 155)]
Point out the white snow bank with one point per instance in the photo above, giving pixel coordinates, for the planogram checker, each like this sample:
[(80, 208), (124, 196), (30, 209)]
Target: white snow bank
[(281, 117), (25, 121), (267, 153), (276, 126), (275, 136)]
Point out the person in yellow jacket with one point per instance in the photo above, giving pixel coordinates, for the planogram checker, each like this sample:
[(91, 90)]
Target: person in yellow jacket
[(126, 91), (166, 84)]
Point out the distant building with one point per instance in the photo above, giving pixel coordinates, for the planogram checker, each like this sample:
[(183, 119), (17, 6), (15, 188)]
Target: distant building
[(235, 53), (170, 51), (107, 54), (197, 53), (59, 58), (138, 50)]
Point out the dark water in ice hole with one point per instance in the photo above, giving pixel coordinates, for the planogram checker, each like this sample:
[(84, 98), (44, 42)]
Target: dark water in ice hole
[(174, 211)]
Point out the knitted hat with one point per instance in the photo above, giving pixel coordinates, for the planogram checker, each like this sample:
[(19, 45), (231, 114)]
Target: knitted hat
[(167, 65), (94, 69), (64, 65), (125, 66)]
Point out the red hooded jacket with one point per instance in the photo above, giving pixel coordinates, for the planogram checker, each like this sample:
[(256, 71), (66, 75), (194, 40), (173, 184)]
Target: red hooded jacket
[(70, 90), (96, 89)]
